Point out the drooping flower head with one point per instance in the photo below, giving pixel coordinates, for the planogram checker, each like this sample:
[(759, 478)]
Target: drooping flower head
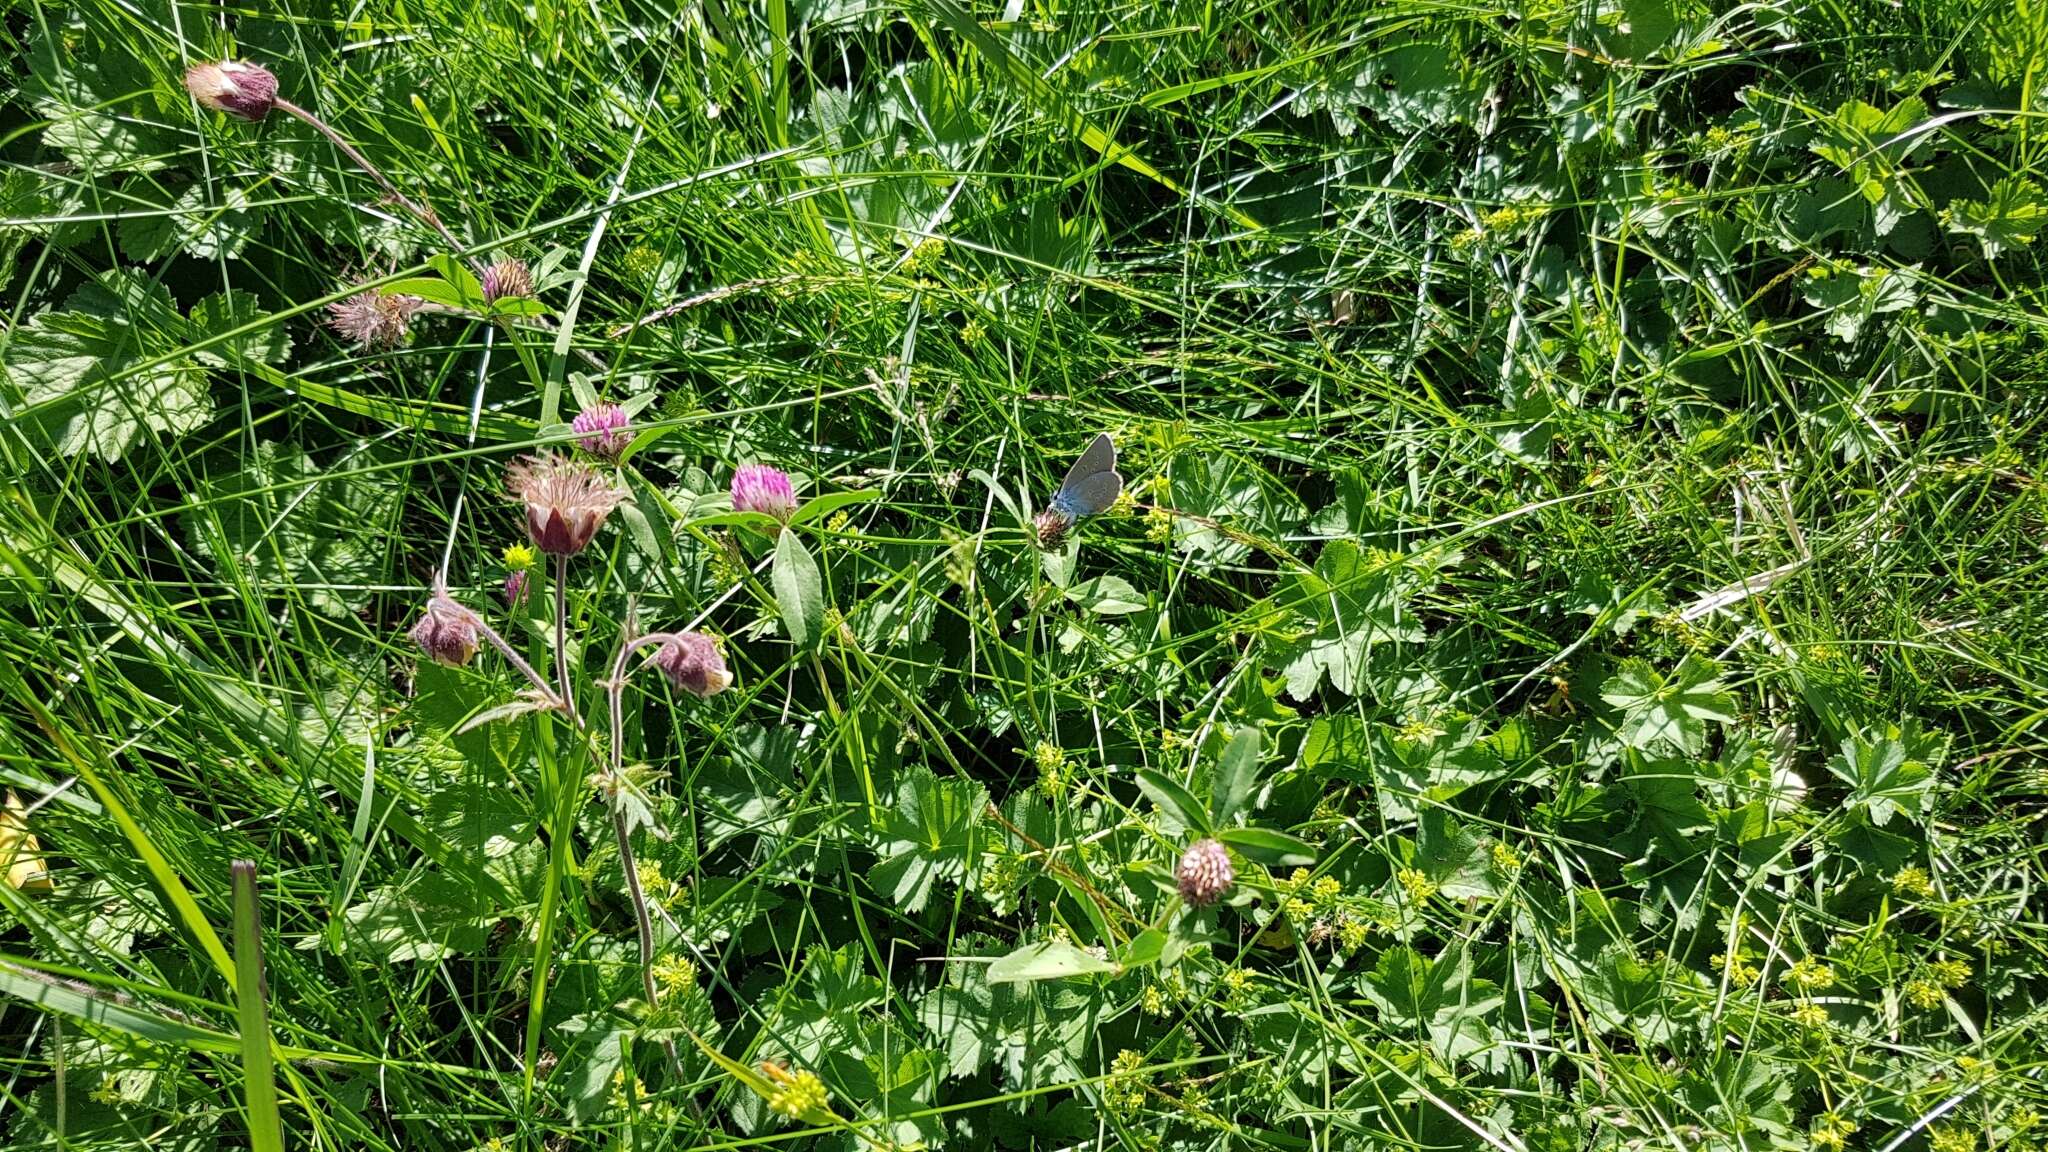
[(446, 632), (235, 87), (374, 320), (515, 587), (605, 429), (760, 488), (566, 501), (1049, 529), (693, 663), (507, 278), (1205, 873)]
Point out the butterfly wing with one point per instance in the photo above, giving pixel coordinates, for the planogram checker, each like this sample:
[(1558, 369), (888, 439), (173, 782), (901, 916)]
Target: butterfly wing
[(1088, 495), (1092, 484)]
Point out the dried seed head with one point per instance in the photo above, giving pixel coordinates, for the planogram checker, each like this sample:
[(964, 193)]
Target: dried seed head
[(374, 320), (1050, 527), (1205, 873), (235, 87), (605, 429), (760, 488), (446, 632), (693, 663), (566, 501), (507, 279)]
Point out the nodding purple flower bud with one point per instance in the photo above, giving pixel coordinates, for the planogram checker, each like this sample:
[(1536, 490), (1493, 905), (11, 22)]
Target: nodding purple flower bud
[(235, 87), (1050, 529), (604, 430), (446, 632), (566, 501), (760, 488), (515, 588), (693, 663), (374, 320), (507, 279), (1205, 873)]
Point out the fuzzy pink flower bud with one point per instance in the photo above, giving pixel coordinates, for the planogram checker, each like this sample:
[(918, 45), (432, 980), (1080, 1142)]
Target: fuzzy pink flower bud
[(515, 588), (507, 279), (446, 632), (235, 87), (605, 430), (566, 502), (1049, 529), (1205, 873), (693, 663), (760, 488)]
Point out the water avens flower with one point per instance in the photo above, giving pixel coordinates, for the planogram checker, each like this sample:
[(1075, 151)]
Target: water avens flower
[(693, 663), (1205, 873), (515, 587), (446, 632), (1049, 530), (604, 428), (507, 279), (566, 501), (374, 320), (761, 488), (235, 87)]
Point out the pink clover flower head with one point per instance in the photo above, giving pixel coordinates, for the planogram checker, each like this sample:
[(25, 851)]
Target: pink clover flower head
[(236, 87), (605, 429), (374, 320), (693, 663), (765, 489), (1205, 873), (566, 501)]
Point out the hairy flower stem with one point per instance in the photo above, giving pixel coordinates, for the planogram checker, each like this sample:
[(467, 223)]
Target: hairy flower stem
[(335, 138), (562, 640), (643, 920), (555, 699)]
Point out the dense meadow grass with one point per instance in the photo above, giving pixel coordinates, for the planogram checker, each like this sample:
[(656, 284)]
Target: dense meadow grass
[(1567, 668)]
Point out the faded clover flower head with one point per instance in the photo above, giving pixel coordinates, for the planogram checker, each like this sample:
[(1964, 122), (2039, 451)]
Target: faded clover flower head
[(508, 278), (374, 320), (566, 501), (446, 632), (1205, 873), (764, 489), (235, 87), (1049, 529), (604, 428), (693, 663)]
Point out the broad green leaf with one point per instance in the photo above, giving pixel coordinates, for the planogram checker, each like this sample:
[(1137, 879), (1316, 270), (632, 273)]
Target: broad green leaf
[(1268, 847), (929, 835), (799, 590), (1046, 960), (1174, 800), (1668, 712), (1883, 777), (1236, 776), (823, 505), (1145, 948), (1347, 604), (2009, 217), (1106, 596)]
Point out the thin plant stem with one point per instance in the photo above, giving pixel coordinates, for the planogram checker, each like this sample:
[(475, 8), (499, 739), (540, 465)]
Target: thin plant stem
[(562, 640), (424, 213), (505, 649)]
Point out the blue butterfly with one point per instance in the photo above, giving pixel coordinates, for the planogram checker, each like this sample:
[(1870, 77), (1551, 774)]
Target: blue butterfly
[(1092, 484)]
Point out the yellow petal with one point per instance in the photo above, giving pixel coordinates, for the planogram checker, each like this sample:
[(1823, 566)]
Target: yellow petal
[(19, 851)]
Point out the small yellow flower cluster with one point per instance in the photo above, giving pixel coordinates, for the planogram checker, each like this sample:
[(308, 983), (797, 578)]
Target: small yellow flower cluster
[(1159, 526), (1913, 881), (519, 557), (1506, 860), (1952, 1138), (1832, 1131), (1923, 994), (1237, 989), (796, 1094), (972, 332), (1418, 886), (1809, 1015), (1052, 762), (1949, 973), (1124, 505), (619, 1097), (675, 975), (1810, 975), (1740, 966), (1125, 1090)]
